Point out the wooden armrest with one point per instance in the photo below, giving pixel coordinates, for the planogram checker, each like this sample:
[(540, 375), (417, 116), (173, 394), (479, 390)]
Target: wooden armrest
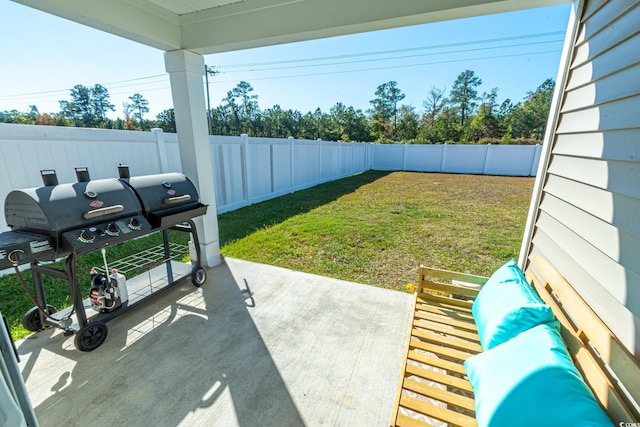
[(449, 282), (452, 276)]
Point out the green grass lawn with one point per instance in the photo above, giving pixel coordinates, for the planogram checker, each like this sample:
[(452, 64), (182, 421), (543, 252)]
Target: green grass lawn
[(373, 228), (377, 227)]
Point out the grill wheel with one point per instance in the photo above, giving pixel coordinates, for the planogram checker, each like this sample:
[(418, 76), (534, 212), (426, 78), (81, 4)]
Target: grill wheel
[(198, 276), (91, 336), (32, 321)]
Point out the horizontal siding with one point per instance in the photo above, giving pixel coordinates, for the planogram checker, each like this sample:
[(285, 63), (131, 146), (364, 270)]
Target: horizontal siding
[(611, 277), (587, 216), (590, 8), (624, 324), (622, 114), (612, 145), (602, 31), (618, 58), (599, 238), (600, 203), (615, 176), (610, 88)]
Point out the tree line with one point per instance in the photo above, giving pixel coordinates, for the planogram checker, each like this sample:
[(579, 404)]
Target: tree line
[(463, 115)]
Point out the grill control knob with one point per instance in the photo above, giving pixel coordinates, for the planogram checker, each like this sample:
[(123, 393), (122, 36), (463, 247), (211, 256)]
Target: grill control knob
[(86, 237), (134, 224), (16, 256), (112, 230)]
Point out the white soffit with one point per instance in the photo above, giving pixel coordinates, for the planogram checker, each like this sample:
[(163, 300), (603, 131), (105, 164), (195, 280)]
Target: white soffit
[(182, 7), (210, 26)]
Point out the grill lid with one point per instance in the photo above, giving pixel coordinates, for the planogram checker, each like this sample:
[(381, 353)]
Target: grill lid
[(55, 209), (163, 191), (168, 198)]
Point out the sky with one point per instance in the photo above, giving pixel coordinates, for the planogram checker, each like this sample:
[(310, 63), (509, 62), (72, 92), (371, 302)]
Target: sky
[(42, 57)]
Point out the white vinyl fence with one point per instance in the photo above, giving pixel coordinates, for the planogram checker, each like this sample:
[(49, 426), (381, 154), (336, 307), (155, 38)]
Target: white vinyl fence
[(247, 170), (511, 160), (250, 170)]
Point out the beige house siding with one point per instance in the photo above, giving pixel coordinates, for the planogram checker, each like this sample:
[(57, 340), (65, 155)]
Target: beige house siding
[(587, 221)]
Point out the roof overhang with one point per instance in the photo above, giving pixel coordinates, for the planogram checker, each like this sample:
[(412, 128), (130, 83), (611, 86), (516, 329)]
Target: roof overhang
[(211, 26)]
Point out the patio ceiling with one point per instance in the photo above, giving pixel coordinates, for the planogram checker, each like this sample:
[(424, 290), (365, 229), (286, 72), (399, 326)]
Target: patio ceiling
[(210, 26)]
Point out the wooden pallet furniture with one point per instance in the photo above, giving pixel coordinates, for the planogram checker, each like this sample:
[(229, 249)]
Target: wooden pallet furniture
[(433, 387)]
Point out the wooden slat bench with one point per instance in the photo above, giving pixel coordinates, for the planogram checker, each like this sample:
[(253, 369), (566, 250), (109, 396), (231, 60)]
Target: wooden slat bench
[(434, 389)]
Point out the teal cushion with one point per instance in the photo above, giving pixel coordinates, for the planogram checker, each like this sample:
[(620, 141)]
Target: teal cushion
[(530, 380), (507, 305)]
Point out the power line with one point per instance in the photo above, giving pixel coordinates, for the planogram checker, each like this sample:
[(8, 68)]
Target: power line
[(397, 57), (384, 52), (112, 85), (48, 93), (394, 66), (299, 60), (163, 78)]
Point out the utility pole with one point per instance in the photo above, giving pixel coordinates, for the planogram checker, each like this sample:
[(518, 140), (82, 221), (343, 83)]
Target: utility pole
[(209, 70)]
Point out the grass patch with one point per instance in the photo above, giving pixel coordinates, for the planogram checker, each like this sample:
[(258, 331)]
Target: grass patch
[(377, 228)]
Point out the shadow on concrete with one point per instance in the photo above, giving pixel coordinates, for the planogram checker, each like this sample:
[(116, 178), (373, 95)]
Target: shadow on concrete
[(185, 357), (242, 222)]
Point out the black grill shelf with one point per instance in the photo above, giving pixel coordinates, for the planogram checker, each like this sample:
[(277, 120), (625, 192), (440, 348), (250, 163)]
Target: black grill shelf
[(147, 273), (147, 259)]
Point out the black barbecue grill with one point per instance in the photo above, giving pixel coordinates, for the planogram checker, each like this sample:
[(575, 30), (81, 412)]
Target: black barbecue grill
[(166, 199), (78, 217), (66, 220)]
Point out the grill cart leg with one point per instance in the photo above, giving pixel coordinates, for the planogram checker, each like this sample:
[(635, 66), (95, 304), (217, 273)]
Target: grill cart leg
[(76, 295), (199, 274), (37, 317), (91, 334), (167, 254), (34, 320)]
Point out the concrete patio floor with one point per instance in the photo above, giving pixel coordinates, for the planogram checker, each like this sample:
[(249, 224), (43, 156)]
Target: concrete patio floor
[(303, 350)]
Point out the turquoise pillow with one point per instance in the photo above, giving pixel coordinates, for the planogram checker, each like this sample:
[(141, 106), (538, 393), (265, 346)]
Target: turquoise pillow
[(507, 305), (531, 381)]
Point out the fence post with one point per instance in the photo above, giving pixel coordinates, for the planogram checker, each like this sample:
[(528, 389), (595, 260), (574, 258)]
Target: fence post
[(353, 158), (370, 154), (486, 159), (319, 173), (246, 174), (162, 149), (536, 155), (404, 157), (220, 170), (443, 158), (340, 144), (291, 172)]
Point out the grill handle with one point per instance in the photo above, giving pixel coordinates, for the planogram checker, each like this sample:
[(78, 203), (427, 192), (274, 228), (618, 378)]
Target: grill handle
[(178, 199), (103, 211)]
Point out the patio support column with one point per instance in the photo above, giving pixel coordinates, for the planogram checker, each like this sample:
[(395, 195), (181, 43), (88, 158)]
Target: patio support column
[(186, 70)]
